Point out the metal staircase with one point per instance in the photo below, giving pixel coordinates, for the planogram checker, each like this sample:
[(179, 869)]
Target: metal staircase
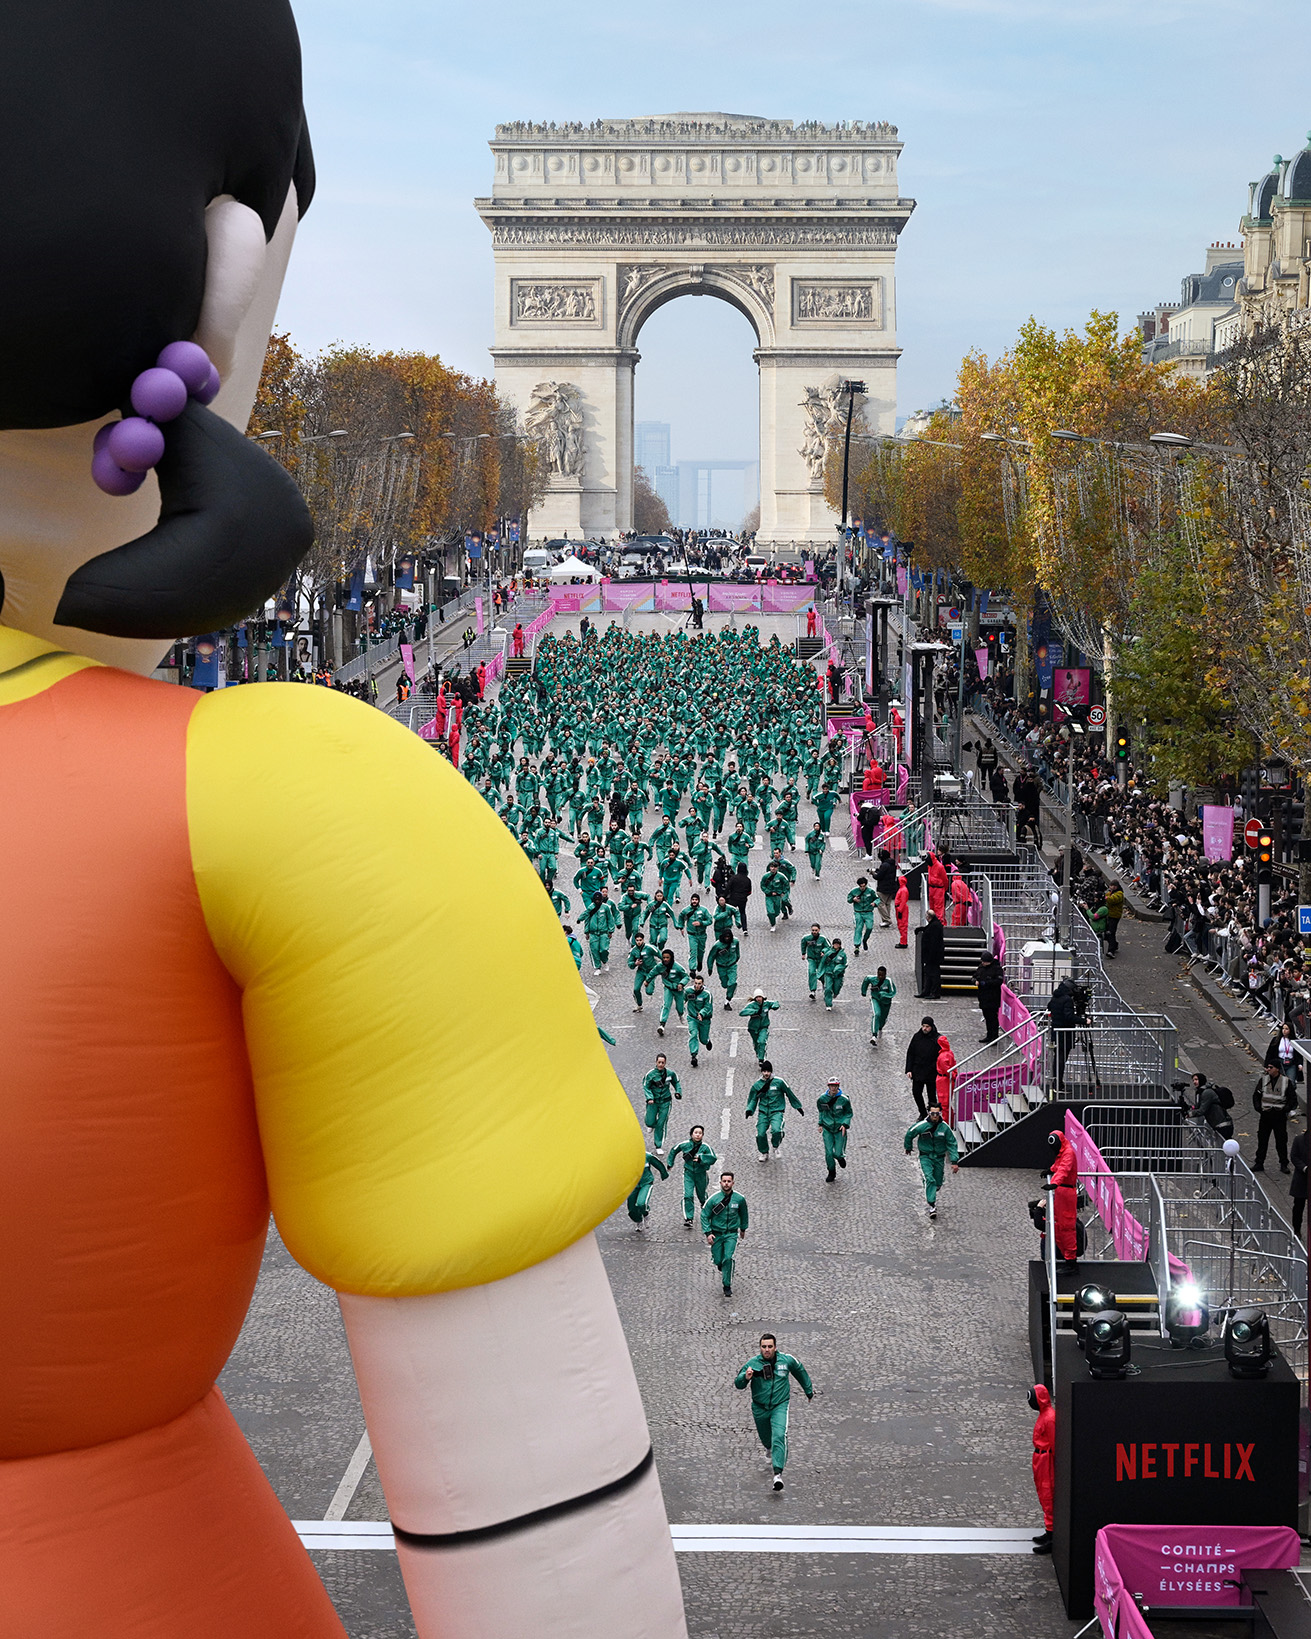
[(809, 647), (961, 951)]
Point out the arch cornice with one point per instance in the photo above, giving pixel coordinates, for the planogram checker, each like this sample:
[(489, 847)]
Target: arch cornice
[(749, 287)]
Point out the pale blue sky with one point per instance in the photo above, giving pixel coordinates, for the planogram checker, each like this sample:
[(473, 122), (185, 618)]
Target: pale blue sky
[(1065, 154)]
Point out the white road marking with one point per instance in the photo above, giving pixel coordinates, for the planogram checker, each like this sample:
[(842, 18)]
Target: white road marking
[(350, 1480), (732, 1043), (728, 1082), (725, 1121), (839, 844), (376, 1535)]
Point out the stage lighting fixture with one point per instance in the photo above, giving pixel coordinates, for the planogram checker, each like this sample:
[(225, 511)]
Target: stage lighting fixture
[(1187, 1318), (1247, 1343), (1106, 1343), (1089, 1301)]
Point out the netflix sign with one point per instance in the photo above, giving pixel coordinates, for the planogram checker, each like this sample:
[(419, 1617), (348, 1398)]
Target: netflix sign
[(1178, 1443)]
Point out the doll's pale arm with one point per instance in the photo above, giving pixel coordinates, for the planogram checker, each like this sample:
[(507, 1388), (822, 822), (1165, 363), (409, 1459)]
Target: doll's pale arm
[(514, 1455)]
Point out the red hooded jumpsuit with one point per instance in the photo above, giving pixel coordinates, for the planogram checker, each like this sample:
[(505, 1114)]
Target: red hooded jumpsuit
[(1044, 1453), (901, 905), (1065, 1176)]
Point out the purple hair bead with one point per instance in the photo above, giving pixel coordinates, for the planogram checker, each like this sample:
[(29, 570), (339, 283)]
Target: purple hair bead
[(209, 392), (159, 394), (102, 437), (136, 444), (188, 360), (110, 477)]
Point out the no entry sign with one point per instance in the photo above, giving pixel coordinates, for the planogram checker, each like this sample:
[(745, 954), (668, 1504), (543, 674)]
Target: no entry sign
[(1252, 833)]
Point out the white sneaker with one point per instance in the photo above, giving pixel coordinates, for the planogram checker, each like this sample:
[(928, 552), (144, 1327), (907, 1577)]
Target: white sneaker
[(778, 1482), (762, 1159)]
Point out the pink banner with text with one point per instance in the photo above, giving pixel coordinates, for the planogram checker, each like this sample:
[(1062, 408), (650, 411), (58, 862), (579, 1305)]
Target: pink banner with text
[(1217, 831), (1200, 1565)]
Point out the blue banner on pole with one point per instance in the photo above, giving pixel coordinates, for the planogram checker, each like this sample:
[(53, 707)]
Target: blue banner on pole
[(473, 545), (355, 598), (405, 574), (209, 650)]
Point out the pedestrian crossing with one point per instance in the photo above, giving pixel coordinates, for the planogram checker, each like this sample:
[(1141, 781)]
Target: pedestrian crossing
[(375, 1536)]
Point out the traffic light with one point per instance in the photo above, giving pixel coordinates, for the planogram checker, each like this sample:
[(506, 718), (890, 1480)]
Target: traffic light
[(1122, 748), (1265, 854)]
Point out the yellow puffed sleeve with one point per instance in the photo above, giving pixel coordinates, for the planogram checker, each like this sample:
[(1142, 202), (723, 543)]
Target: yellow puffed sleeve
[(435, 1105)]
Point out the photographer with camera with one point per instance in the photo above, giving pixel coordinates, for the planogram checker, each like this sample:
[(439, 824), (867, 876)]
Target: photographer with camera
[(1068, 1012), (1207, 1103)]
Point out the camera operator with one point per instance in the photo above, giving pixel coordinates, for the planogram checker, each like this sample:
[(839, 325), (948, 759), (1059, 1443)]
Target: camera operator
[(1068, 1012), (1205, 1103)]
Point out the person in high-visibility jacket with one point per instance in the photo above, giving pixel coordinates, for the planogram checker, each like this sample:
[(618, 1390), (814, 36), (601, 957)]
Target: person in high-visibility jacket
[(700, 1012), (638, 1207), (698, 1158), (769, 1375), (756, 1013), (767, 1101), (659, 1087), (833, 1108), (935, 1141)]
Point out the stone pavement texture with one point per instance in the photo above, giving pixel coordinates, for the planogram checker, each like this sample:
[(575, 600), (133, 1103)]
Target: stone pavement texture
[(914, 1333)]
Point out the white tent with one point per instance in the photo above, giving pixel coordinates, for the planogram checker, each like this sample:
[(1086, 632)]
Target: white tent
[(572, 568)]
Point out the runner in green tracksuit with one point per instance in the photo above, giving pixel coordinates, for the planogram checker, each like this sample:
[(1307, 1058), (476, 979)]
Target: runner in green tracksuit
[(574, 946), (814, 947), (599, 924), (775, 886), (673, 975), (936, 1141), (862, 899), (825, 803), (833, 1108), (694, 921), (700, 1013), (637, 1201), (816, 842), (880, 990), (724, 956), (724, 1218), (789, 870), (659, 1087), (631, 902), (646, 968), (756, 1013), (698, 1158), (770, 1373), (767, 1101), (832, 972)]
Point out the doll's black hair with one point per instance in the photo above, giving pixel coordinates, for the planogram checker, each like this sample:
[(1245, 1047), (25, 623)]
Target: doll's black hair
[(120, 122)]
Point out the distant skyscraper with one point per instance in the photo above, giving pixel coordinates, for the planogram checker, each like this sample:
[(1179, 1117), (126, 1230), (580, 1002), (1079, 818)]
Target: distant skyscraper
[(665, 483), (652, 449)]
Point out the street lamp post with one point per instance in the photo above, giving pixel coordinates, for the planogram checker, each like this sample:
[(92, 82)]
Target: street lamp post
[(851, 389)]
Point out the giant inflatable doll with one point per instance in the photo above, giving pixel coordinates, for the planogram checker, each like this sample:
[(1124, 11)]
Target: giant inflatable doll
[(196, 1019)]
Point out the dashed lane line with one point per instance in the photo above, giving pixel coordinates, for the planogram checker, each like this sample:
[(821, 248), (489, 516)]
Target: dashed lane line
[(350, 1481)]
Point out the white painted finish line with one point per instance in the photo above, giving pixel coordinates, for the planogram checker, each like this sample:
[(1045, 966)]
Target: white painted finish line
[(350, 1480), (376, 1536)]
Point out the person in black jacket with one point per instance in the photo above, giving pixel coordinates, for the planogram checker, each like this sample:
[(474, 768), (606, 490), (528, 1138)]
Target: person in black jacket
[(1297, 1154), (885, 885), (930, 958), (1274, 1101), (738, 892), (922, 1065), (1063, 1009), (989, 977)]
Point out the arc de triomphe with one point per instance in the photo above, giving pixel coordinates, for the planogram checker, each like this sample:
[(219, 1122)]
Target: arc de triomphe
[(596, 226)]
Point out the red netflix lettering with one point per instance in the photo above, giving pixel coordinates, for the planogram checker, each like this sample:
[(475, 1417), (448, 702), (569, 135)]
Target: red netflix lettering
[(1244, 1462), (1169, 1460), (1149, 1462), (1209, 1473), (1126, 1462), (1227, 1473), (1190, 1461)]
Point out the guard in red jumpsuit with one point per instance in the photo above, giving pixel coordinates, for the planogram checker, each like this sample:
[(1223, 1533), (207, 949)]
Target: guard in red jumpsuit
[(946, 1077), (1044, 1462), (937, 880), (518, 641), (1064, 1173), (960, 900), (901, 906)]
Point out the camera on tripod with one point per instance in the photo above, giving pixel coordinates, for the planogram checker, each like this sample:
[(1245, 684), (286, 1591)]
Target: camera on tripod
[(1080, 1000)]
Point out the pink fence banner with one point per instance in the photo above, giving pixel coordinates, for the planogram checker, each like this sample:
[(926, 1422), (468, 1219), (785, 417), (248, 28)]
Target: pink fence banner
[(974, 1092), (429, 730), (478, 615), (407, 660), (903, 785), (727, 598), (981, 657), (627, 596), (1217, 831), (673, 595), (1130, 1237), (902, 580), (785, 600), (1198, 1565)]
